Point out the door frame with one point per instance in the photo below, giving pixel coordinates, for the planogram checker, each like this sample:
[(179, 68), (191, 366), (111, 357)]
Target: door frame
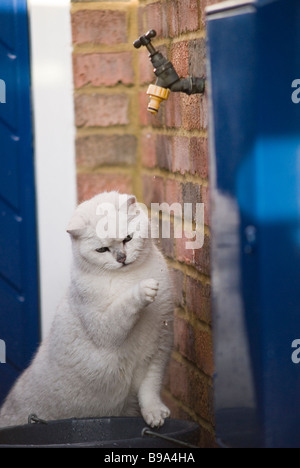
[(54, 146)]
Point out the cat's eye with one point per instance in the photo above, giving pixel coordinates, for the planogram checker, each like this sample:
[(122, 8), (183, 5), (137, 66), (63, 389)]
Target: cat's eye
[(102, 249), (127, 239)]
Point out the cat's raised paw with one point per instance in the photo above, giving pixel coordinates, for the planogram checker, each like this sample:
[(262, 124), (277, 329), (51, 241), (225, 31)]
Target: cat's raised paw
[(148, 289), (155, 417)]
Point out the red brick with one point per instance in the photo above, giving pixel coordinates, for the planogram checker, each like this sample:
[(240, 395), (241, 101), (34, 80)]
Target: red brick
[(163, 49), (95, 150), (191, 193), (99, 1), (182, 253), (194, 344), (173, 209), (89, 185), (164, 225), (148, 149), (173, 192), (153, 13), (188, 15), (153, 189), (167, 244), (99, 27), (199, 157), (205, 439), (191, 112), (177, 278), (102, 110), (203, 111), (177, 411), (164, 20), (204, 352), (190, 254), (157, 120), (172, 18), (202, 257), (141, 27), (103, 69), (188, 386), (164, 151), (173, 111), (198, 299), (146, 73), (182, 336), (145, 117), (180, 58), (197, 57), (181, 156), (205, 194), (143, 104), (167, 247)]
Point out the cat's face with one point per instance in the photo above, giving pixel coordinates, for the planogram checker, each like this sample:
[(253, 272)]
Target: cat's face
[(110, 232)]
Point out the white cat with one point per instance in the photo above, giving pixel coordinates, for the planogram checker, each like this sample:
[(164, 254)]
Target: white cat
[(112, 334)]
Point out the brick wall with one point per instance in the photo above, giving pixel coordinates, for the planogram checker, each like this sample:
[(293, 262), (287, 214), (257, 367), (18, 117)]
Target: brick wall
[(106, 110), (159, 158)]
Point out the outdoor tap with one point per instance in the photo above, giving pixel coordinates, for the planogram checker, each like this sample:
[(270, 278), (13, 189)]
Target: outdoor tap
[(167, 77)]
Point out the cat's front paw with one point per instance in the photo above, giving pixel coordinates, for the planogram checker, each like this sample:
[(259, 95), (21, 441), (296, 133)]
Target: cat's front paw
[(148, 290), (156, 415)]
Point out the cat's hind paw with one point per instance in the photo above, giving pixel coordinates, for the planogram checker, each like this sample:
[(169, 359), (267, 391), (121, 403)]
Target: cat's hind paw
[(155, 417)]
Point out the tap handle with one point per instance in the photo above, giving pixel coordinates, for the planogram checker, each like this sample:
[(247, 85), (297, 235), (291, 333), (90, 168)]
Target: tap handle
[(145, 40)]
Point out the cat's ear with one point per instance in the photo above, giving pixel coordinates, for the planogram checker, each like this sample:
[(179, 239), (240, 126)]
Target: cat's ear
[(77, 225), (131, 200)]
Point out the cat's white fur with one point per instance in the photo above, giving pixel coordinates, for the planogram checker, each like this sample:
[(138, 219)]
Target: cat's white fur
[(111, 337)]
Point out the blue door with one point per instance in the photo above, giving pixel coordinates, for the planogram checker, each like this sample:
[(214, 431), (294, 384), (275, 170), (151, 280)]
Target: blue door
[(19, 318), (255, 152)]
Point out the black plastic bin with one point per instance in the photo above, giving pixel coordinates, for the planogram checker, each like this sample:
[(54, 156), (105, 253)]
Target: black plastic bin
[(97, 433)]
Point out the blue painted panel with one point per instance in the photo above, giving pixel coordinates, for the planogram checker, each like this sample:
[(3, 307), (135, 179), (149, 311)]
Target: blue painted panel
[(255, 147), (8, 24), (19, 299), (10, 246), (9, 173), (10, 69)]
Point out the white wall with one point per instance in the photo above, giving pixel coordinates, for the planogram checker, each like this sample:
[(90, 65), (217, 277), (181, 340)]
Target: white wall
[(54, 141)]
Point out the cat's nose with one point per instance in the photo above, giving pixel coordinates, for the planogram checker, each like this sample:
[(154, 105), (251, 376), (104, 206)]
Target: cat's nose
[(121, 257)]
